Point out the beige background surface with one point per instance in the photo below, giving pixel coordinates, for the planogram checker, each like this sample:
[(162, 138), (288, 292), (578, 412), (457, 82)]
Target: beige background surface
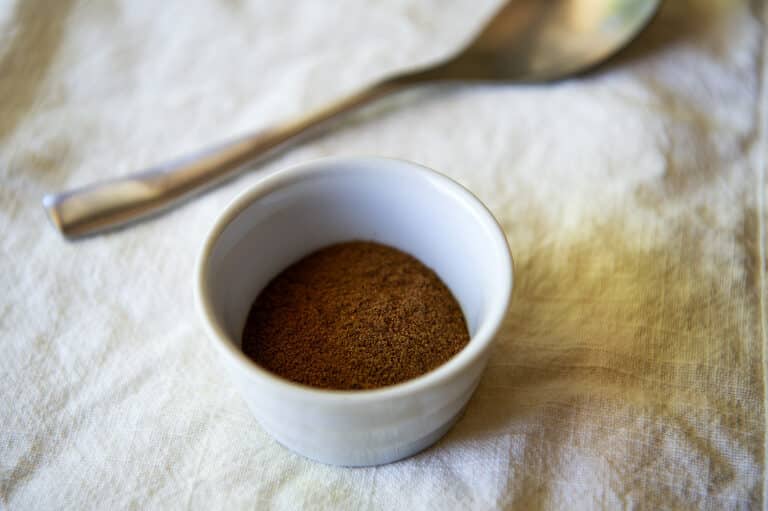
[(629, 373)]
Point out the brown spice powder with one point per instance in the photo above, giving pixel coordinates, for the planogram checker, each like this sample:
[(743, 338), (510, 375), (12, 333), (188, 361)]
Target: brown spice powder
[(357, 315)]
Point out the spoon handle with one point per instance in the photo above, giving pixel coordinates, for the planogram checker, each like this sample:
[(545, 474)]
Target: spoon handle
[(108, 204)]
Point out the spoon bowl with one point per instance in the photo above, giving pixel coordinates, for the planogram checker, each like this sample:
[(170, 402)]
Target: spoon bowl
[(541, 40)]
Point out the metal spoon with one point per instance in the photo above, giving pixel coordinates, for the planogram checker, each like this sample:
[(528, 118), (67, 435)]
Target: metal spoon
[(526, 40)]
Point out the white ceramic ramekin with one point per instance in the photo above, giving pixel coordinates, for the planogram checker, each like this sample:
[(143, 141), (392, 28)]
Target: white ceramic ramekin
[(296, 211)]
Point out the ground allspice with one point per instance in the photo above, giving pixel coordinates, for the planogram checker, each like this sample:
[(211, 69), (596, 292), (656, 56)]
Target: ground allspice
[(357, 315)]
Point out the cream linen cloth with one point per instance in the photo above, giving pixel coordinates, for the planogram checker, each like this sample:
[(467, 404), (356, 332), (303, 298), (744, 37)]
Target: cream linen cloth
[(628, 374)]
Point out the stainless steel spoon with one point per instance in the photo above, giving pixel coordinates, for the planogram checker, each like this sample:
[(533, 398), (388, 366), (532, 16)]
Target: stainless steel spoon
[(525, 41)]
